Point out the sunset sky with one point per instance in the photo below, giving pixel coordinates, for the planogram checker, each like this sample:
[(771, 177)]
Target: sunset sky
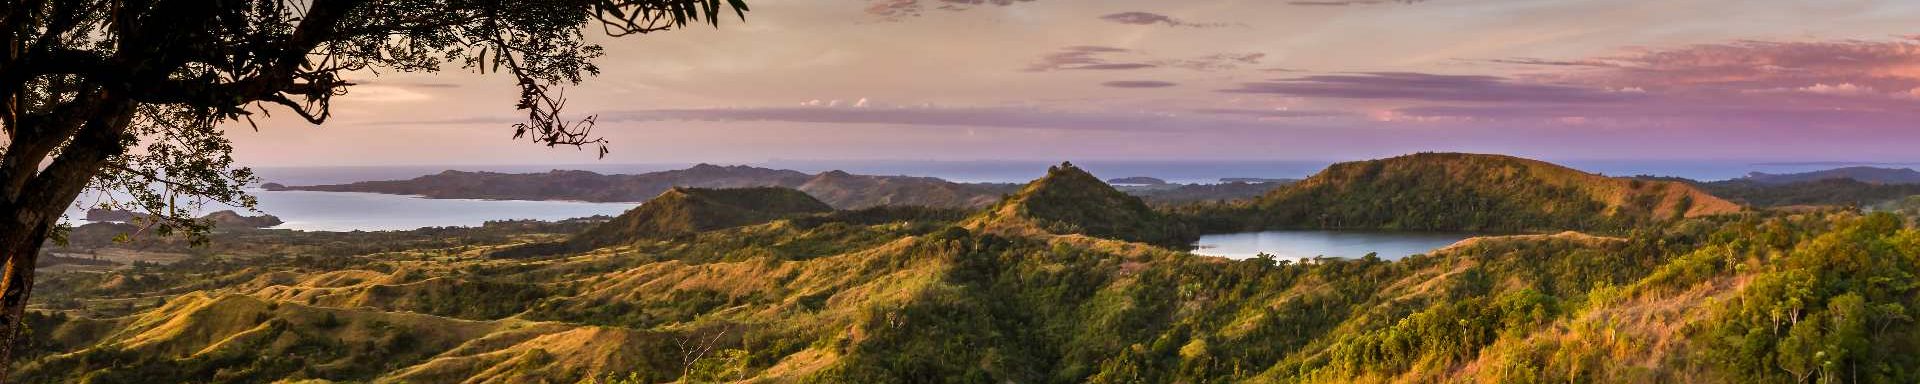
[(1834, 80)]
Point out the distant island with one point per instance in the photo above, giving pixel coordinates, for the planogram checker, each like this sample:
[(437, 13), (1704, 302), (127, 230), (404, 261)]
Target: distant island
[(225, 219), (839, 189), (1871, 175), (1255, 180), (1137, 180)]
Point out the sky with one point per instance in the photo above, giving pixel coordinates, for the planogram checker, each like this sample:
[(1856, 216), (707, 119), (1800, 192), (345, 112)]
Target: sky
[(1049, 80)]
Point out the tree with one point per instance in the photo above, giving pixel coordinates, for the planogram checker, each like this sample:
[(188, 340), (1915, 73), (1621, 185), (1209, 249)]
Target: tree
[(131, 96)]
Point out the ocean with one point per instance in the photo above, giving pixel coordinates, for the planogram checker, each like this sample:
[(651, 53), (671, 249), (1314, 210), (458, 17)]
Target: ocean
[(334, 211)]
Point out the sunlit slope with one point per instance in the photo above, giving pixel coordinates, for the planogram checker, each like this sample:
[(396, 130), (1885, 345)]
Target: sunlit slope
[(1454, 191), (1068, 200)]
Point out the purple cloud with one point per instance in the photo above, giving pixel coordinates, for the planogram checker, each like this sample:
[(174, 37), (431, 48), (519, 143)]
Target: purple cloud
[(1138, 84), (1269, 113), (900, 9), (1150, 18), (989, 117), (1099, 58), (1083, 57), (1342, 3), (1750, 66), (1216, 62), (1428, 87)]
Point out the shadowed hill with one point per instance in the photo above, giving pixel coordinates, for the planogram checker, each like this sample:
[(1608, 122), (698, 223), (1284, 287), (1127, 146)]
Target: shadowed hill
[(1455, 191), (1069, 200), (1829, 192), (684, 211), (1870, 175), (849, 191)]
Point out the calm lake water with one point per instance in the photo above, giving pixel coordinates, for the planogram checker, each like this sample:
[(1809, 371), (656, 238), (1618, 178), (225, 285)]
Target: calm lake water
[(347, 211), (1307, 244)]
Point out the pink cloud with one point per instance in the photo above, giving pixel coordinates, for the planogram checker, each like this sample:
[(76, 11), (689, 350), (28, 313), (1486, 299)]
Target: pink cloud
[(1748, 65), (900, 9), (1425, 87)]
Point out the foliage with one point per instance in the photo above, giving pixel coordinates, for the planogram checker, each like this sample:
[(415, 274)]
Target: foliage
[(1446, 191), (1069, 200), (1844, 192), (904, 295)]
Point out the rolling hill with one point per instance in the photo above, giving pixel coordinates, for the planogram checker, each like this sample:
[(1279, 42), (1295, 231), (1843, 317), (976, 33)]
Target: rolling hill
[(1456, 191), (1870, 175), (685, 211), (1068, 200), (849, 191), (757, 285)]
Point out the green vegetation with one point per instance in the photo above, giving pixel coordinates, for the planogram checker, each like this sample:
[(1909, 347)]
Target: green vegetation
[(1052, 285), (1450, 191), (1069, 200), (1874, 175), (685, 211), (1833, 192)]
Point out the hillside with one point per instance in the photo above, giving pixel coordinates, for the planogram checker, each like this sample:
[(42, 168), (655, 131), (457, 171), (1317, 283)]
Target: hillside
[(1830, 192), (1454, 191), (1711, 299), (849, 191), (685, 211), (1068, 200), (1870, 175)]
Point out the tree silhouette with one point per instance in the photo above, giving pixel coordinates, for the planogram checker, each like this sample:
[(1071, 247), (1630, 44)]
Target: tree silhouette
[(129, 97)]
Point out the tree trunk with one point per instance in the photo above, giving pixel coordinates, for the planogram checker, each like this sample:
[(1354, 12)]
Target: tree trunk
[(21, 247), (28, 214)]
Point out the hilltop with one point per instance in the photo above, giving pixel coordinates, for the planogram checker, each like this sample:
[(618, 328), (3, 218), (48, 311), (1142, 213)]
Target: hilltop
[(1068, 200), (1870, 175), (685, 211), (1457, 191)]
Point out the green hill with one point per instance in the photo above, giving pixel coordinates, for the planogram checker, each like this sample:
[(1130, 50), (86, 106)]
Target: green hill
[(849, 191), (1770, 297), (684, 211), (1068, 200), (1457, 191)]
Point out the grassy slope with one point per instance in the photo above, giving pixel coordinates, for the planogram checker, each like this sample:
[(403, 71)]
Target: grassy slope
[(685, 211), (1451, 191), (1716, 298), (1068, 200)]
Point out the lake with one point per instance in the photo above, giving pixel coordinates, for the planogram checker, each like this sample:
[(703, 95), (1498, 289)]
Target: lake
[(1307, 244), (347, 211)]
